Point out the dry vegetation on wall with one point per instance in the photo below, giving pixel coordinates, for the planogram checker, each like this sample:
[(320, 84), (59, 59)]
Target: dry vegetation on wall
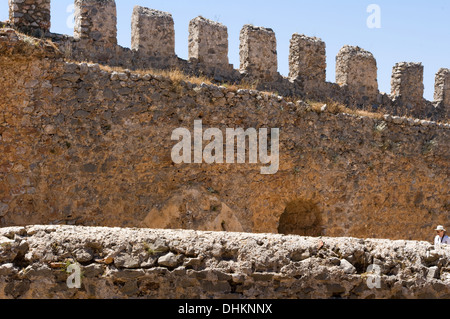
[(177, 76)]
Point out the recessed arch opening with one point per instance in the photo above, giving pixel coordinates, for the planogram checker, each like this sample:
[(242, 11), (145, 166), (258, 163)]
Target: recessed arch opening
[(301, 217)]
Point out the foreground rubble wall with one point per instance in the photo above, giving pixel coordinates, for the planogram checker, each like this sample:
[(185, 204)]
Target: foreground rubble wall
[(149, 263)]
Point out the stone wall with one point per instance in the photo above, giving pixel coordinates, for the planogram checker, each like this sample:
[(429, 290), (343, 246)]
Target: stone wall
[(208, 42), (95, 32), (356, 69), (442, 88), (153, 35), (152, 46), (169, 264), (30, 16), (307, 60), (84, 145), (96, 21), (258, 52), (407, 84)]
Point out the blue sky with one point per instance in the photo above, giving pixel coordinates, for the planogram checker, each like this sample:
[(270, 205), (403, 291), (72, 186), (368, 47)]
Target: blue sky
[(411, 31)]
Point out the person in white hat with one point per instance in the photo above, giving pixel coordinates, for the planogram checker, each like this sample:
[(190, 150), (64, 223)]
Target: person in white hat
[(441, 237)]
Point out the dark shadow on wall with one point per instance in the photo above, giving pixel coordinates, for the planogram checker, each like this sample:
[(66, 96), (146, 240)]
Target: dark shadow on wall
[(301, 217)]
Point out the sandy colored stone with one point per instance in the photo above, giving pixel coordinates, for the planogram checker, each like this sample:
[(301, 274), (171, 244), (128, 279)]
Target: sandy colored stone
[(407, 83), (208, 42), (96, 21), (153, 33), (356, 69), (307, 59), (258, 52), (32, 17), (442, 87)]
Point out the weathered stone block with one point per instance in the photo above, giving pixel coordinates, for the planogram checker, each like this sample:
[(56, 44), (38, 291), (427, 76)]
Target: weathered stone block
[(208, 42), (356, 69), (307, 59), (152, 33), (407, 83), (96, 20), (30, 16), (442, 87), (258, 52)]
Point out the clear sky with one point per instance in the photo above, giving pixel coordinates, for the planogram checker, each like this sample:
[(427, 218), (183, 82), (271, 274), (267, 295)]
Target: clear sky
[(411, 30)]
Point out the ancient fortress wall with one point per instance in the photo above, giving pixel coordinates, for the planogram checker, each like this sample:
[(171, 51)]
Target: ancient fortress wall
[(153, 45), (87, 144), (83, 145)]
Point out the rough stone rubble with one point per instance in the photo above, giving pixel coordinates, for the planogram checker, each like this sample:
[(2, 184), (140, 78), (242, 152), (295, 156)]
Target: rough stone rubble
[(149, 263)]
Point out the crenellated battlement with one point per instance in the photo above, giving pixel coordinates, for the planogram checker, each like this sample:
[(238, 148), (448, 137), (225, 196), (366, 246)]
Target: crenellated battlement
[(356, 69), (307, 59), (407, 82), (96, 21), (208, 42), (153, 46), (30, 16), (442, 87), (153, 35)]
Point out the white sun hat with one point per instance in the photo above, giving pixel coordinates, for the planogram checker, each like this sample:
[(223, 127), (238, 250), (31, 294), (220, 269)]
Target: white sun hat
[(440, 228)]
